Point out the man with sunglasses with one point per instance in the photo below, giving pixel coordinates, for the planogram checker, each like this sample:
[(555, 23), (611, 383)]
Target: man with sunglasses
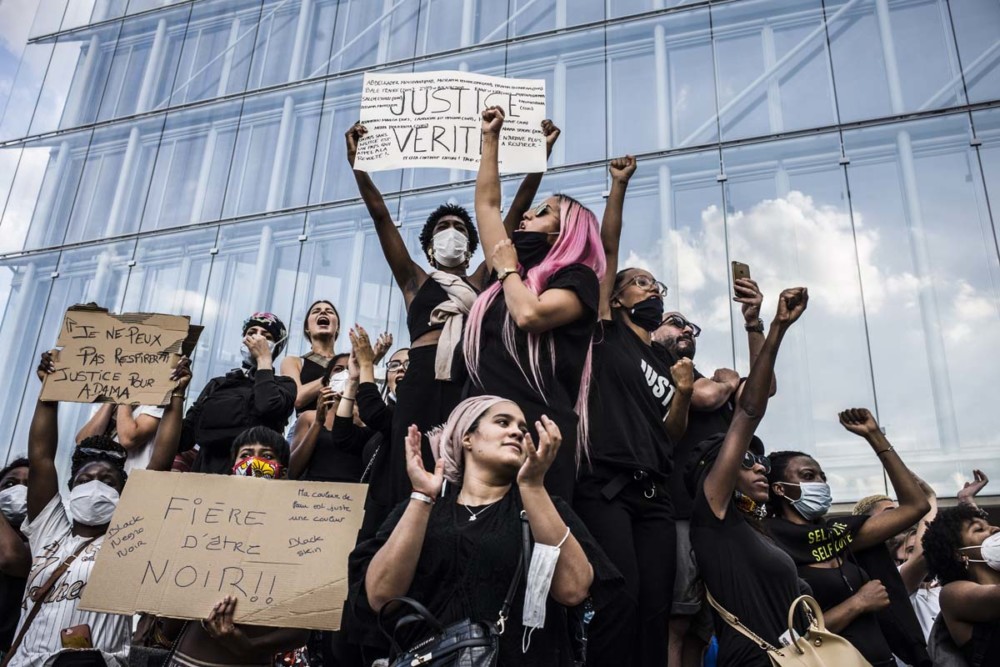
[(710, 413)]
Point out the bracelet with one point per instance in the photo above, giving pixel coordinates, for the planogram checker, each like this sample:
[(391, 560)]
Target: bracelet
[(422, 497), (756, 327), (885, 451), (347, 398), (176, 395), (503, 273)]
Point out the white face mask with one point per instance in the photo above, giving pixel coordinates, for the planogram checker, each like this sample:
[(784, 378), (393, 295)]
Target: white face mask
[(989, 550), (543, 566), (450, 248), (93, 503), (338, 381), (14, 503), (248, 357)]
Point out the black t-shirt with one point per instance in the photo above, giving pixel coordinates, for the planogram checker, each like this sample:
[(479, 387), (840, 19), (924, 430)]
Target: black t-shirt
[(464, 571), (338, 453), (749, 576), (629, 398), (311, 370), (500, 375), (701, 426), (819, 543)]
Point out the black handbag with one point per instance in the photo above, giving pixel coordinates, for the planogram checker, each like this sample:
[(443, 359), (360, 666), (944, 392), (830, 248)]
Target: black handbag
[(466, 643)]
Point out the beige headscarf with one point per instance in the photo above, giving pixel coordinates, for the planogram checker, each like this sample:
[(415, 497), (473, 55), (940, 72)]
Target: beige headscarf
[(452, 314), (446, 440)]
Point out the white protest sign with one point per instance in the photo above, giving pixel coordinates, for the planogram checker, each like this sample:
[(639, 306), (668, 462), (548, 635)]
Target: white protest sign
[(433, 120)]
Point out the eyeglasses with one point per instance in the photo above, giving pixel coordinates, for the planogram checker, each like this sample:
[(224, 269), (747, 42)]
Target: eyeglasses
[(544, 209), (750, 460), (90, 451), (394, 366), (681, 323), (645, 283)]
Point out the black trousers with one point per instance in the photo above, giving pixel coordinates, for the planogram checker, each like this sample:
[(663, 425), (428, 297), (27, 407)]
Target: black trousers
[(637, 533)]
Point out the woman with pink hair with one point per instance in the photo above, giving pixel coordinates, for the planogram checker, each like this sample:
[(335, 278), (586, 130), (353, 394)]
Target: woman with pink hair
[(535, 321)]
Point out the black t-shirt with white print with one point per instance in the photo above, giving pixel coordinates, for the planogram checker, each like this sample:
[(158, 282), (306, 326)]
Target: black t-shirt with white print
[(630, 396)]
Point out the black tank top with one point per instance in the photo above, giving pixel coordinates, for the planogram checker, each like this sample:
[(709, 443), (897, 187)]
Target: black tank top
[(984, 647), (418, 317), (311, 370)]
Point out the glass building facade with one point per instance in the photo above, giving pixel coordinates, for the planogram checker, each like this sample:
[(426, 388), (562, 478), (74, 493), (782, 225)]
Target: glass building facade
[(188, 157)]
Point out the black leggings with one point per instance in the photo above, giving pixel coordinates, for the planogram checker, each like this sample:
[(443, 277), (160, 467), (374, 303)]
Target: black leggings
[(420, 400), (638, 535)]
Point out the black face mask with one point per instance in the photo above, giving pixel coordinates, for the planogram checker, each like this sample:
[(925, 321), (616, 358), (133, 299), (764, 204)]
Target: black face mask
[(532, 248), (648, 313)]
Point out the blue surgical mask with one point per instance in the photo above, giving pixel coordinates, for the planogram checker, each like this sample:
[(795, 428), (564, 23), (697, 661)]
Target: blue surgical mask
[(814, 501)]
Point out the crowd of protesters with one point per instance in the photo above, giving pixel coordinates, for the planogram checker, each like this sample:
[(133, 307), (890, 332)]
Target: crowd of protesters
[(545, 455)]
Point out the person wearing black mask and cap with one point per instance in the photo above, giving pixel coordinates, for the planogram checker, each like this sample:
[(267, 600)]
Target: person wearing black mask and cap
[(746, 573), (251, 395), (636, 415)]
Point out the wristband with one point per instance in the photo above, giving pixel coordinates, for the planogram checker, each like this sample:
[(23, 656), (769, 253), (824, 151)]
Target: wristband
[(755, 327), (176, 395), (503, 273), (885, 451), (347, 398), (422, 497)]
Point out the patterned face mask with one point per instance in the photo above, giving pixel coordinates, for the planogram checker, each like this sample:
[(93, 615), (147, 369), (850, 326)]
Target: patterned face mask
[(258, 466)]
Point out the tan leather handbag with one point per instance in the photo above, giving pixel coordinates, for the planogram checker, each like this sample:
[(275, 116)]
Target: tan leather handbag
[(818, 647)]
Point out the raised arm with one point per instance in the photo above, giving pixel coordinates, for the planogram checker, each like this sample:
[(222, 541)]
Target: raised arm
[(749, 297), (915, 569), (390, 573), (407, 273), (967, 496), (682, 374), (133, 433), (712, 393), (913, 503), (168, 436), (529, 186), (621, 169), (306, 434), (574, 573), (721, 480), (491, 229), (98, 423), (43, 439)]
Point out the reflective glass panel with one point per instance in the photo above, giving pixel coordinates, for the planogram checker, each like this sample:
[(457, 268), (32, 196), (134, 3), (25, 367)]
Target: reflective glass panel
[(192, 166), (293, 41), (41, 197), (931, 291), (115, 180), (573, 67), (24, 288), (217, 49), (24, 90), (978, 38), (773, 67), (273, 158), (453, 24), (667, 62), (892, 57), (372, 32), (527, 17)]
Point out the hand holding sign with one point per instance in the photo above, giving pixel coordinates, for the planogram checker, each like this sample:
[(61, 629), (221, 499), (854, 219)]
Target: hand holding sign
[(127, 359)]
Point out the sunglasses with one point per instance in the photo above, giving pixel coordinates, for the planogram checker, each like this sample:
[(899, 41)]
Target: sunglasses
[(90, 451), (544, 209), (646, 283), (750, 460), (681, 323), (394, 366)]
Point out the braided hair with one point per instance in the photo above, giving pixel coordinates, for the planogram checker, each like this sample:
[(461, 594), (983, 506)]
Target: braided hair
[(99, 448)]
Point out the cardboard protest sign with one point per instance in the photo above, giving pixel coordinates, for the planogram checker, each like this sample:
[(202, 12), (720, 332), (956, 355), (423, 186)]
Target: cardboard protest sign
[(180, 543), (128, 358), (433, 120)]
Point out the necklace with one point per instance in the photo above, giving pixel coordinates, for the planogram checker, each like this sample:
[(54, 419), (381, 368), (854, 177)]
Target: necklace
[(473, 515)]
